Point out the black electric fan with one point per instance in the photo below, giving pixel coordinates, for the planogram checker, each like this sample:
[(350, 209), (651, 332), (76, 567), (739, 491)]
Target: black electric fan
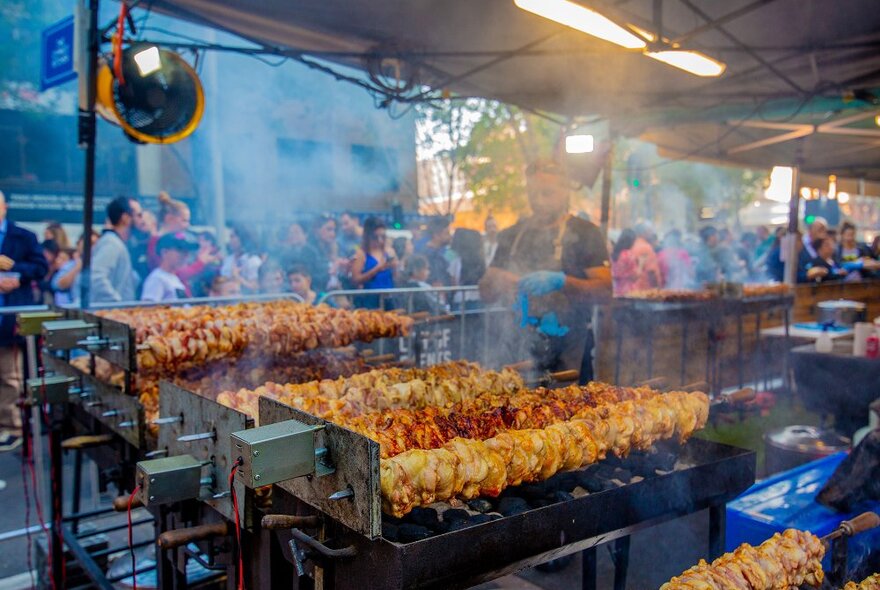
[(159, 98)]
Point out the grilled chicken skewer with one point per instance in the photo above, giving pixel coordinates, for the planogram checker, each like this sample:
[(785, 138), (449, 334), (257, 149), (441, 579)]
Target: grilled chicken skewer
[(381, 389), (174, 338), (784, 561), (467, 468), (872, 582)]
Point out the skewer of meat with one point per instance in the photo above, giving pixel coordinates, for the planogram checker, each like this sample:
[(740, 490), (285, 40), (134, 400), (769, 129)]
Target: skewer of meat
[(466, 468), (380, 389), (872, 582), (174, 338), (783, 562)]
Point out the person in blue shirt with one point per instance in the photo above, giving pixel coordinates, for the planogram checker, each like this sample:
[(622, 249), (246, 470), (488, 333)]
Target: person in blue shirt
[(374, 263), (823, 267), (21, 264)]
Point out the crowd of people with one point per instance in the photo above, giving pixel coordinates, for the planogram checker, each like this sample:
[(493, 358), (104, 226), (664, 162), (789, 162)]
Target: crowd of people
[(640, 260), (141, 255), (156, 257)]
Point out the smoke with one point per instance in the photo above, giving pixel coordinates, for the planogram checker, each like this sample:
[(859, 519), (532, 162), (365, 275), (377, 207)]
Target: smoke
[(293, 140)]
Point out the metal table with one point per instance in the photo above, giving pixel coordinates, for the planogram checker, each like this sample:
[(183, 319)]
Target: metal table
[(837, 383)]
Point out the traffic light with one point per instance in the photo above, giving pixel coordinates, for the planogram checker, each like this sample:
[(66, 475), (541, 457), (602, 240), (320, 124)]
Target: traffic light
[(397, 216)]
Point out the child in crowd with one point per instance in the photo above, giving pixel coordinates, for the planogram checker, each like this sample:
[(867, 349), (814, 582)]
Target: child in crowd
[(300, 280), (163, 284)]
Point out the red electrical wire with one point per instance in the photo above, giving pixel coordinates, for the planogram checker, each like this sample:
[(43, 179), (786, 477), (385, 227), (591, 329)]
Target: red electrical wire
[(134, 583), (117, 43), (237, 523)]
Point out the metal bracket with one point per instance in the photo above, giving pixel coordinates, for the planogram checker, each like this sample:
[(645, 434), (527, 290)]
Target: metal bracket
[(356, 461), (67, 334)]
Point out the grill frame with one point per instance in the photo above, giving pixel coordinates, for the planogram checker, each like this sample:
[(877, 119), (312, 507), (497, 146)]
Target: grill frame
[(462, 558)]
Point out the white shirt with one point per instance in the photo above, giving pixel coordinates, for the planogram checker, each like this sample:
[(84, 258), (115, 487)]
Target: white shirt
[(248, 266), (162, 286)]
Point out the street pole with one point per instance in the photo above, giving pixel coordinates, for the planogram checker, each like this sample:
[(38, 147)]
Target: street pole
[(87, 137), (606, 189), (791, 253)]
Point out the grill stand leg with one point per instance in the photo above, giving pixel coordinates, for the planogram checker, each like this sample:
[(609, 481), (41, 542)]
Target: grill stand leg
[(838, 574), (620, 557), (56, 463), (588, 569), (717, 524), (77, 488), (167, 571)]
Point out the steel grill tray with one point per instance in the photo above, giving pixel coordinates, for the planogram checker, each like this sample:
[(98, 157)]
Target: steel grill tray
[(706, 474)]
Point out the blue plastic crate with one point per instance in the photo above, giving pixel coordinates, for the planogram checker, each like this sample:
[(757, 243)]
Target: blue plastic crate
[(787, 500)]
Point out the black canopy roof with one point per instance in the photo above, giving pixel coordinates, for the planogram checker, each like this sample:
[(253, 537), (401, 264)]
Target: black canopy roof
[(802, 81)]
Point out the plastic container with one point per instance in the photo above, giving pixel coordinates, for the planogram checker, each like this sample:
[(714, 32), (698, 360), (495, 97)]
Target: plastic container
[(824, 343), (788, 447), (787, 500), (861, 332)]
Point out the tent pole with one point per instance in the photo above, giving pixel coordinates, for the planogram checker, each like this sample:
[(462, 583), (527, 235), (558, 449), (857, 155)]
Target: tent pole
[(606, 189), (791, 255), (87, 137)]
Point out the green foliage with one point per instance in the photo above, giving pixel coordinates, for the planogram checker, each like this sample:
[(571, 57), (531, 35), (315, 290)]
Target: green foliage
[(503, 142), (489, 144)]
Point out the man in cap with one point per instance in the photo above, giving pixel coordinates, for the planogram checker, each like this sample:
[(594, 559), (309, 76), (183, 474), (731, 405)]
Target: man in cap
[(163, 284), (816, 230), (557, 264), (21, 263)]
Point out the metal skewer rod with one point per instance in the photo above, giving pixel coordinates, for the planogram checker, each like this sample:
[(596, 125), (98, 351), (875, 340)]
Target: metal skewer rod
[(849, 528), (195, 437)]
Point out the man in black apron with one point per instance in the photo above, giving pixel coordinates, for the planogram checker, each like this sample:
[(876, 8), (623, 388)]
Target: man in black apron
[(560, 264)]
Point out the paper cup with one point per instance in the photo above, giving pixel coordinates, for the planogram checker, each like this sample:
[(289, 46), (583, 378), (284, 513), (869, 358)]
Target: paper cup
[(861, 332)]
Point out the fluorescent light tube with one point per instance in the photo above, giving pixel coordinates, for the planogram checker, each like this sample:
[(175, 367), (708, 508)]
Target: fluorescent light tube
[(692, 62), (583, 19)]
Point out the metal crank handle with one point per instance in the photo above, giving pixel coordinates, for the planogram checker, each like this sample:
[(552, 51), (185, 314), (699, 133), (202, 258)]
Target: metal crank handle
[(288, 521), (741, 396), (655, 383), (180, 537), (120, 503), (848, 528), (322, 549)]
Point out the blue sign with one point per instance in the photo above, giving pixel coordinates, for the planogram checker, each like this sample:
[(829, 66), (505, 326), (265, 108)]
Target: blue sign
[(56, 65)]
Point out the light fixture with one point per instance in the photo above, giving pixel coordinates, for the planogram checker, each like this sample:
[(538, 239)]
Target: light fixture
[(148, 61), (692, 62), (877, 120), (779, 189), (583, 19), (578, 144)]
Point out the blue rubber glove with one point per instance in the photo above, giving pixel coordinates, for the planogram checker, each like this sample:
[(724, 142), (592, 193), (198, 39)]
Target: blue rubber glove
[(542, 282), (550, 325), (522, 306)]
